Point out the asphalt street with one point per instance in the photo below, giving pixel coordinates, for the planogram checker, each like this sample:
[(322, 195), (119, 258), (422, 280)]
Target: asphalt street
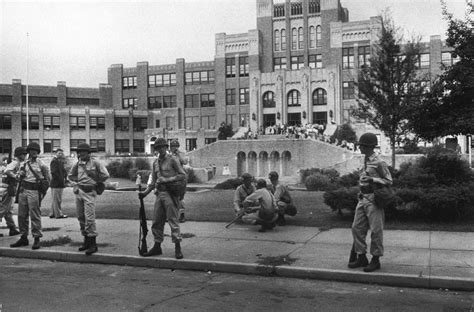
[(40, 285)]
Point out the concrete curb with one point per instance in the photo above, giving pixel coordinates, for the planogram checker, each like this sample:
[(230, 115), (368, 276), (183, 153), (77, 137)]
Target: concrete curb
[(388, 279)]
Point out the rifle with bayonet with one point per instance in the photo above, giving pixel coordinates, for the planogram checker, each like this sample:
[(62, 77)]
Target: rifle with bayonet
[(241, 213), (143, 231)]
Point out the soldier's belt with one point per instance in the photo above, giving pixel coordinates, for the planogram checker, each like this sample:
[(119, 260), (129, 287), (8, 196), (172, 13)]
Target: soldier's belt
[(30, 186), (87, 188)]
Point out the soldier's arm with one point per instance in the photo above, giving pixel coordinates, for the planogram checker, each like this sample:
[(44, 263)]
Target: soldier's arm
[(385, 176)]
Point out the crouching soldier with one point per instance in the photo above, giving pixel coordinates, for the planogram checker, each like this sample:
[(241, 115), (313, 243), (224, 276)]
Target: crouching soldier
[(87, 177), (166, 176), (283, 198), (242, 191), (262, 207)]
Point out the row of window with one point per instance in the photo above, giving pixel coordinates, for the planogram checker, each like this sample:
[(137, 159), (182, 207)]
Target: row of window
[(295, 119), (196, 122), (196, 100), (7, 99), (297, 62), (296, 8), (297, 38), (230, 67), (244, 96)]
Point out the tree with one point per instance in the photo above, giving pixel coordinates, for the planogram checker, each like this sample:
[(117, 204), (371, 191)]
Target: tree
[(449, 108), (344, 132), (390, 85), (224, 131)]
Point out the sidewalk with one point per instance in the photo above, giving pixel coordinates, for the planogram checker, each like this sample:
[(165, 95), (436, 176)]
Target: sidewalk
[(412, 259)]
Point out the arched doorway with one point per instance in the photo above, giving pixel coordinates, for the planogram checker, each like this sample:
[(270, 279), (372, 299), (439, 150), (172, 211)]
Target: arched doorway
[(241, 163), (263, 164), (275, 161), (286, 163), (252, 163)]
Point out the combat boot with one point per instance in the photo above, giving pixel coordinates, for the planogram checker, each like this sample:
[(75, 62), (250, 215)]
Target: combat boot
[(84, 245), (281, 220), (92, 246), (177, 251), (373, 265), (13, 232), (36, 244), (155, 251), (23, 241), (361, 261), (182, 218)]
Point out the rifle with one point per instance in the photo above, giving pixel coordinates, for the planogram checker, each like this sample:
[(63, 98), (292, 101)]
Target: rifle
[(17, 194), (143, 230), (241, 213)]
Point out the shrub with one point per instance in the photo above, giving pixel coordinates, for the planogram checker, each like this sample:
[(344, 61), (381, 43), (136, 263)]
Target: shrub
[(332, 174), (229, 184), (112, 168), (350, 179), (342, 198), (119, 169), (318, 182), (142, 164), (344, 132)]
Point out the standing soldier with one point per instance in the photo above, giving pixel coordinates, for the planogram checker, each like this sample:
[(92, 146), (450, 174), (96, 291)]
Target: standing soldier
[(367, 214), (166, 172), (174, 149), (58, 183), (31, 173), (8, 189), (86, 175)]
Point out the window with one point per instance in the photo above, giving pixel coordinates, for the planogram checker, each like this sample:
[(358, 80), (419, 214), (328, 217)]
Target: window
[(348, 90), (283, 40), (200, 77), (169, 122), (300, 38), (140, 124), (191, 101), (230, 119), (424, 60), (24, 143), (121, 123), (294, 38), (74, 143), (139, 146), (294, 119), (447, 59), (208, 122), (269, 120), (97, 123), (244, 66), (98, 145), (209, 140), (82, 101), (33, 124), (130, 103), (318, 36), (230, 96), (162, 80), (77, 122), (230, 67), (244, 96), (51, 122), (50, 145), (6, 99), (297, 62), (277, 40), (294, 98), (244, 120), (40, 100), (279, 10), (364, 55), (154, 102), (6, 146), (5, 122), (169, 101), (122, 146), (312, 37), (157, 123), (320, 97), (320, 118), (268, 99), (208, 100), (314, 7), (279, 63), (347, 57), (129, 82), (191, 144), (296, 8), (315, 61)]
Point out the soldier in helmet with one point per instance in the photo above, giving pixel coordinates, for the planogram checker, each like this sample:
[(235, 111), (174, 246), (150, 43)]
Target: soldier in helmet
[(32, 172), (283, 198), (8, 188), (367, 215), (175, 152), (85, 175), (167, 171)]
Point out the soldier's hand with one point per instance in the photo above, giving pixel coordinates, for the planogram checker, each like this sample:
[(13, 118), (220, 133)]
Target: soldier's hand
[(142, 195), (367, 179)]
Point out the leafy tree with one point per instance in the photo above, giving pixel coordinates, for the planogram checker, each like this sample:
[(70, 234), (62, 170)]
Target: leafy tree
[(344, 132), (225, 131), (389, 86), (449, 108)]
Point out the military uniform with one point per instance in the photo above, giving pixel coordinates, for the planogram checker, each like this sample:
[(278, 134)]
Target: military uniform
[(6, 200)]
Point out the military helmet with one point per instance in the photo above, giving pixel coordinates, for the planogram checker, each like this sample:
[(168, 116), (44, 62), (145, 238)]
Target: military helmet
[(273, 175), (83, 147), (33, 146), (19, 151), (368, 139), (174, 142), (160, 142), (246, 176)]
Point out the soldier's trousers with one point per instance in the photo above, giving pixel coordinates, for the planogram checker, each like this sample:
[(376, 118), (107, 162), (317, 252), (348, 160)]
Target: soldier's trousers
[(29, 208), (368, 216), (85, 208), (166, 207), (6, 207)]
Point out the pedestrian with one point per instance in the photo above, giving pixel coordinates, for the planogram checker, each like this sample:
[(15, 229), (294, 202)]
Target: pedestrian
[(58, 183), (8, 187), (175, 152), (263, 203), (32, 175), (367, 215), (166, 173), (283, 199), (242, 191), (87, 177)]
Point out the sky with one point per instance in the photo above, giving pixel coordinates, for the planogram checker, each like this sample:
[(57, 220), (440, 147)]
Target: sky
[(76, 41)]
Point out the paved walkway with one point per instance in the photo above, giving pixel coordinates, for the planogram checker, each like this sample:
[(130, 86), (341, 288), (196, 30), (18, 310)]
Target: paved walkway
[(412, 259)]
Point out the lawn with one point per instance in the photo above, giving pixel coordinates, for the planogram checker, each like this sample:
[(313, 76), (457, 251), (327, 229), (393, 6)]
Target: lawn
[(216, 205)]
